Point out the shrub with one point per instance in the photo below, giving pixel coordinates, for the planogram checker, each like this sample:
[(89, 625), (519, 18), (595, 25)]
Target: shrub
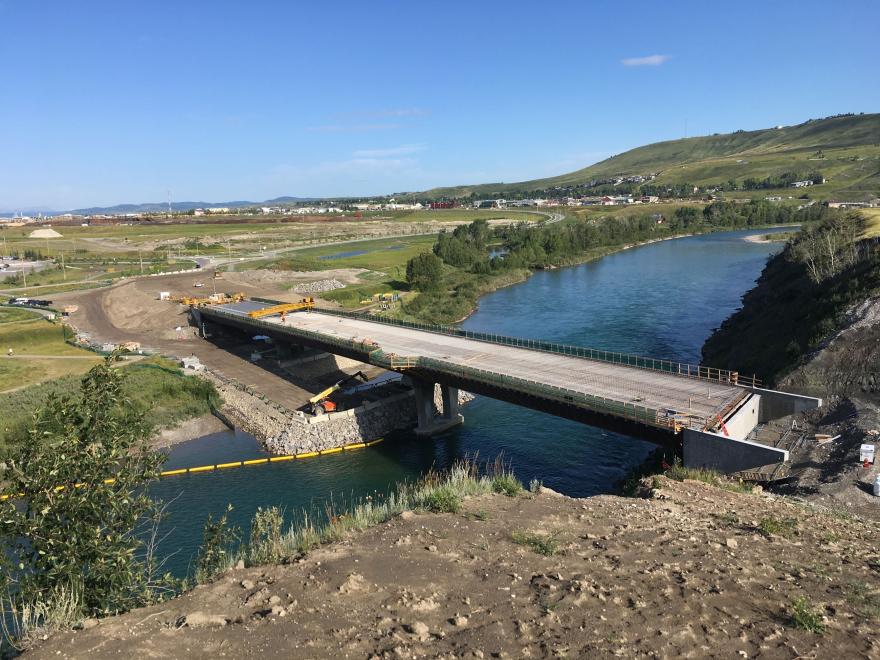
[(543, 544), (442, 500), (265, 544), (507, 484), (773, 527), (218, 547), (805, 617), (73, 523)]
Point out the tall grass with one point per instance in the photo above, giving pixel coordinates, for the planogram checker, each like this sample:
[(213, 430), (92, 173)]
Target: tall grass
[(435, 492), (23, 622)]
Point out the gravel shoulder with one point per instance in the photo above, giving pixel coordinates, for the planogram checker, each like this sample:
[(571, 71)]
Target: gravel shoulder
[(691, 570)]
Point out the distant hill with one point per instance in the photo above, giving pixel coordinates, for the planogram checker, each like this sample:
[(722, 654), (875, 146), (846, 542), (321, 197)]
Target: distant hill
[(849, 158)]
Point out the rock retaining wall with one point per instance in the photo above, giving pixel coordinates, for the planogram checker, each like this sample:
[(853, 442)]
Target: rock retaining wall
[(285, 431)]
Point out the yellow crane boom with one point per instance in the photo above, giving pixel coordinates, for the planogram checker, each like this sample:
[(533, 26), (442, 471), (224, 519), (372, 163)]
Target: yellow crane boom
[(305, 303)]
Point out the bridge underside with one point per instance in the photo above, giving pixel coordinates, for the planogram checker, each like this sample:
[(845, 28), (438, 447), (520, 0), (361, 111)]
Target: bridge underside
[(624, 394), (609, 396)]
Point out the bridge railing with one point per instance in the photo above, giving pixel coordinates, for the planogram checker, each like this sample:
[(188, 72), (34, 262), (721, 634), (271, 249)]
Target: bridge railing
[(629, 410), (632, 411), (692, 371)]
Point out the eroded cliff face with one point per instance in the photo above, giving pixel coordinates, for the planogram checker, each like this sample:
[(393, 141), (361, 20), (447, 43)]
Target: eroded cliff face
[(848, 363), (816, 335)]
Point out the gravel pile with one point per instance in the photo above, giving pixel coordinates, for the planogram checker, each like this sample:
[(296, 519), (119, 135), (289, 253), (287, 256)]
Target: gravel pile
[(319, 286)]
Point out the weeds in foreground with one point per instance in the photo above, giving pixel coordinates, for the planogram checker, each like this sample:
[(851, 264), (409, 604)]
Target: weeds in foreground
[(864, 600), (265, 544), (507, 484), (25, 621), (442, 500), (786, 528), (543, 544), (806, 617), (655, 464), (435, 492), (217, 552)]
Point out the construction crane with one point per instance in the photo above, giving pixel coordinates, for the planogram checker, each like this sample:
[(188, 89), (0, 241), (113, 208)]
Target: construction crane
[(305, 303), (320, 403)]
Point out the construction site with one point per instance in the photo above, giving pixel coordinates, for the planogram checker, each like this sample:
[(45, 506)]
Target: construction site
[(291, 400)]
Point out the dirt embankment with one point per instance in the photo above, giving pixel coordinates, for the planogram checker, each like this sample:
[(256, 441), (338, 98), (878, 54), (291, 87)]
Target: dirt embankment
[(692, 571)]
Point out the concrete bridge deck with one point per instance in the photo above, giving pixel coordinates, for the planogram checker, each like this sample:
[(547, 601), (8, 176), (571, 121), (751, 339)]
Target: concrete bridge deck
[(679, 401)]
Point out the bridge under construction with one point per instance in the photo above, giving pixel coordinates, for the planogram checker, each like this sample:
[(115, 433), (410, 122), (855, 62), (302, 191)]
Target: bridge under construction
[(700, 407)]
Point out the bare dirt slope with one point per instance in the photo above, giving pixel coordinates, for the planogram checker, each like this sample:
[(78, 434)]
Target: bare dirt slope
[(685, 573)]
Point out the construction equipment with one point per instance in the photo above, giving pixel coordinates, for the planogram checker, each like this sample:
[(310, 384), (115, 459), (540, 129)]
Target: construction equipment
[(213, 299), (321, 403), (305, 303)]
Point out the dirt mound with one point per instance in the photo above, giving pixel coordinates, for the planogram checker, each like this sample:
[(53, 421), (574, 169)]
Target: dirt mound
[(695, 571)]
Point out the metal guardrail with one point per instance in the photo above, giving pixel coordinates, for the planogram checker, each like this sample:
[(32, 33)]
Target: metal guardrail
[(685, 370), (631, 411)]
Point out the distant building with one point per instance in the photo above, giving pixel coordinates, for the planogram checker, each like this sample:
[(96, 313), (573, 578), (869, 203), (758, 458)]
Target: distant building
[(848, 205), (802, 184)]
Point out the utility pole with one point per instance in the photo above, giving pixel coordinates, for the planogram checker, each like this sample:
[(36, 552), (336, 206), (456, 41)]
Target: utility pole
[(141, 259), (63, 268)]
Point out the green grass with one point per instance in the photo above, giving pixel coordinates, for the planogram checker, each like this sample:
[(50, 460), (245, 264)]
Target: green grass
[(442, 500), (352, 295), (36, 337), (381, 254), (507, 484), (716, 158), (459, 215), (786, 528), (806, 617), (543, 544), (156, 386), (11, 315), (872, 222), (865, 600), (441, 493)]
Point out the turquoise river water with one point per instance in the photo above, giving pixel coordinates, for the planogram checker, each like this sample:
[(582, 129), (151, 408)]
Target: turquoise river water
[(658, 300)]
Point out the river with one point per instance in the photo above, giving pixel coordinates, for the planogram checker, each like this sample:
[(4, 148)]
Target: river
[(659, 300)]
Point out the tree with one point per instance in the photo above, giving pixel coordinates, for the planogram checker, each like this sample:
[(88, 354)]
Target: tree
[(424, 271), (77, 511)]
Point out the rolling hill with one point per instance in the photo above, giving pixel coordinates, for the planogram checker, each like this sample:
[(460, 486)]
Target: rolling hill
[(849, 159)]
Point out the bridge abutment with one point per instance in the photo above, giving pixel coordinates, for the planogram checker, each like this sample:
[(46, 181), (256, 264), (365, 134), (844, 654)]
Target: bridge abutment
[(428, 423)]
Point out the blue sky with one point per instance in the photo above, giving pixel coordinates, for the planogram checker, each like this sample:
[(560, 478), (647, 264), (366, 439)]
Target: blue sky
[(109, 102)]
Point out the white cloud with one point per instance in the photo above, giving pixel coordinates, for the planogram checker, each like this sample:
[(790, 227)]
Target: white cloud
[(352, 128), (403, 150), (648, 60)]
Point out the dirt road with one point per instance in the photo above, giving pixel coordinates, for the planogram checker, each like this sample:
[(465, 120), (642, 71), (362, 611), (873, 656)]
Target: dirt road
[(131, 311)]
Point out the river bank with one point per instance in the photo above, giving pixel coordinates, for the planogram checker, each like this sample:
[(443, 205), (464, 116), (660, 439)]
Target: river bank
[(512, 278)]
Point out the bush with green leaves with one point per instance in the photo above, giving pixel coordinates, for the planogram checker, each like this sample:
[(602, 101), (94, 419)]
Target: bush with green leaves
[(77, 514), (219, 547)]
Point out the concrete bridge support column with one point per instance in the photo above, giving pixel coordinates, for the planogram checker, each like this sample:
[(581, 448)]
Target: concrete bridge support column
[(428, 424)]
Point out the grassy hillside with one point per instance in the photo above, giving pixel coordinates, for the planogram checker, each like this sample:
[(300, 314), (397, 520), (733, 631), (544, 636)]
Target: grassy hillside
[(850, 146)]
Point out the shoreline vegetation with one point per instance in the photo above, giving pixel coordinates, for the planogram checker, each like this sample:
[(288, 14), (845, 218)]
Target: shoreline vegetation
[(460, 268), (156, 387)]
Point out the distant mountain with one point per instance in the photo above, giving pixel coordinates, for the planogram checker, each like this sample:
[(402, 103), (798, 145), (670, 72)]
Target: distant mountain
[(30, 211), (153, 207), (845, 149)]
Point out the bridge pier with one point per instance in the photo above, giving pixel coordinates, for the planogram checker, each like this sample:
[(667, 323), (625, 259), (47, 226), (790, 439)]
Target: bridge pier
[(428, 424)]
